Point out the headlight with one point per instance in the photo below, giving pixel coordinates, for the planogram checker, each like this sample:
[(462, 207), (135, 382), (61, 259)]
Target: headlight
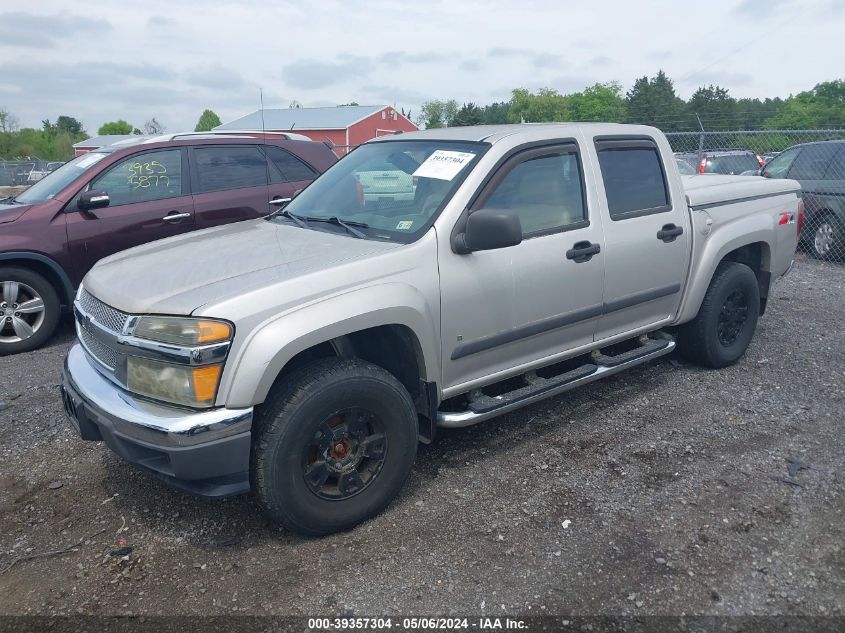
[(180, 384), (182, 331)]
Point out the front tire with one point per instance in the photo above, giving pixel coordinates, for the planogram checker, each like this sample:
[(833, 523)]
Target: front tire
[(725, 324), (333, 445), (29, 308)]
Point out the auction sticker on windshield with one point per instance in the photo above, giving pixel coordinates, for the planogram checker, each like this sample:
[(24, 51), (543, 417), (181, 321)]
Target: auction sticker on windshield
[(443, 164)]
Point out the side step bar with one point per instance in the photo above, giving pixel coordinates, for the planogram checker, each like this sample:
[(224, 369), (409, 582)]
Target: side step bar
[(484, 407)]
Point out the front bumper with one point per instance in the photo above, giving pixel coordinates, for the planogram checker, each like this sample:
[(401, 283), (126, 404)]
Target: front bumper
[(203, 452)]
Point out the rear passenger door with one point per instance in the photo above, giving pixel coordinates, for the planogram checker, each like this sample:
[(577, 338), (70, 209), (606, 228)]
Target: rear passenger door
[(288, 173), (512, 306), (229, 183), (647, 236)]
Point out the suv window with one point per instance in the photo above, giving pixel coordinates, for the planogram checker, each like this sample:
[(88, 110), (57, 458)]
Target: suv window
[(290, 168), (546, 191), (634, 182), (812, 163), (836, 169), (731, 163), (780, 164), (143, 177), (229, 167)]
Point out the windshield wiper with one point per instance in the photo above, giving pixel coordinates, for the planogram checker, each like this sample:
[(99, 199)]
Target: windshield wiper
[(287, 214), (346, 225), (9, 200)]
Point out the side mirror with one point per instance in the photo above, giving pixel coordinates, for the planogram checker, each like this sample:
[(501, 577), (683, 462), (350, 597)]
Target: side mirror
[(489, 229), (93, 200)]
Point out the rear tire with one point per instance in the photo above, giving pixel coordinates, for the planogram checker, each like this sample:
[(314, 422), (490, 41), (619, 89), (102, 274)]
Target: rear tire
[(725, 324), (827, 239), (333, 445), (29, 308)]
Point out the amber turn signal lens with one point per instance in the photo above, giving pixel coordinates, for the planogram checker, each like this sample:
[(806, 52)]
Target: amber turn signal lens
[(205, 381), (213, 331)]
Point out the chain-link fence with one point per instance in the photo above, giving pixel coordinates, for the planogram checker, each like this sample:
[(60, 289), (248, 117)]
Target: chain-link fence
[(25, 172), (815, 158)]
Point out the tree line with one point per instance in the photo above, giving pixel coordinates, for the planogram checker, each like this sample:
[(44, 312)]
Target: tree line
[(55, 140), (651, 101)]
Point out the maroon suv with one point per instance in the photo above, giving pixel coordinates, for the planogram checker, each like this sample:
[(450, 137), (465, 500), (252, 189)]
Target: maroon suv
[(128, 194)]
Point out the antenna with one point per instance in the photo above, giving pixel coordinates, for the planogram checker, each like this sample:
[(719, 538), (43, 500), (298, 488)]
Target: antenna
[(264, 139)]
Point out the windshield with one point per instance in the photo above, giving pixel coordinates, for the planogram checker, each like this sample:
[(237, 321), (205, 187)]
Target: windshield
[(390, 190), (47, 188)]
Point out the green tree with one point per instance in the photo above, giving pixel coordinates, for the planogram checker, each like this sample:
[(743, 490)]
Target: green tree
[(821, 107), (545, 105), (495, 113), (351, 103), (69, 125), (714, 107), (654, 102), (436, 113), (115, 127), (208, 120), (599, 102), (468, 114)]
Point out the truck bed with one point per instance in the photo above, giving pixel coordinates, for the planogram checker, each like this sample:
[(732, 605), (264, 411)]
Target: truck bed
[(704, 190)]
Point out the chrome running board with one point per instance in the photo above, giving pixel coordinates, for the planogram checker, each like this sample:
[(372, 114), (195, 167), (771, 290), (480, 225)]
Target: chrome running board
[(541, 388)]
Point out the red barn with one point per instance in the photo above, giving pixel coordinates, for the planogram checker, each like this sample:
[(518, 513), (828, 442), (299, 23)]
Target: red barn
[(342, 126)]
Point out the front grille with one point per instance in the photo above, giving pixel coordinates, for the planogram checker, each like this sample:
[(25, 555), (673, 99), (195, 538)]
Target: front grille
[(103, 314), (98, 350)]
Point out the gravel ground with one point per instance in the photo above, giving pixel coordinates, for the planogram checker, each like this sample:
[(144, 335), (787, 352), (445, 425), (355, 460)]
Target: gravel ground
[(667, 490)]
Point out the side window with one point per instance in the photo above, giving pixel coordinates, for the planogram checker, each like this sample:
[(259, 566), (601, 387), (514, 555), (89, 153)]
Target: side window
[(633, 179), (547, 193), (290, 168), (780, 164), (143, 177), (812, 163), (836, 168), (220, 167)]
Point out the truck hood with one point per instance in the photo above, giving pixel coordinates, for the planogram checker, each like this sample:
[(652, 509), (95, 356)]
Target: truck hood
[(11, 212), (180, 274)]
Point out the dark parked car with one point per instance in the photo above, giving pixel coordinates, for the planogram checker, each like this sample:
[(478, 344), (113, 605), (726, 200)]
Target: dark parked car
[(722, 161), (820, 168), (128, 194)]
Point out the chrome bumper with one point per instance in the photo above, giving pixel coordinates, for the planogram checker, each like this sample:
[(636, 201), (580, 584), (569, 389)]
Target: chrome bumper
[(205, 452)]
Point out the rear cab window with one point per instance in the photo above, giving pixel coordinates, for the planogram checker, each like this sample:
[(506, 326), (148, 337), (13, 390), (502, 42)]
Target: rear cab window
[(634, 178)]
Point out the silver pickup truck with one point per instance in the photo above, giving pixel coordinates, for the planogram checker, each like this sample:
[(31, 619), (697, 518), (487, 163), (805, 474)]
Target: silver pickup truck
[(304, 357)]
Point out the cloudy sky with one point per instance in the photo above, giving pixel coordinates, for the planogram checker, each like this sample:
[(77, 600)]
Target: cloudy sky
[(101, 60)]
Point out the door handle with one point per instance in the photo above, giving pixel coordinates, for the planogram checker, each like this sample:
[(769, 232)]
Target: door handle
[(669, 232), (279, 201), (175, 216), (583, 251)]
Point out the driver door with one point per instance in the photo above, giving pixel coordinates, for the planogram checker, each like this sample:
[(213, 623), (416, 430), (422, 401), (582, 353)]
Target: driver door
[(148, 200), (509, 307)]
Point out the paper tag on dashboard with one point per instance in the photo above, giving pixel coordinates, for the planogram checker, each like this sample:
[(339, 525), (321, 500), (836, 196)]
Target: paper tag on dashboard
[(443, 164)]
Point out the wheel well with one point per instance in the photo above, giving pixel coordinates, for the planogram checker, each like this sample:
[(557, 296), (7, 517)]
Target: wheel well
[(757, 256), (391, 347), (46, 271)]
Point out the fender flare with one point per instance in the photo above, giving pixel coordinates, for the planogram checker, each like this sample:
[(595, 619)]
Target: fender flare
[(752, 230), (67, 289), (257, 362)]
